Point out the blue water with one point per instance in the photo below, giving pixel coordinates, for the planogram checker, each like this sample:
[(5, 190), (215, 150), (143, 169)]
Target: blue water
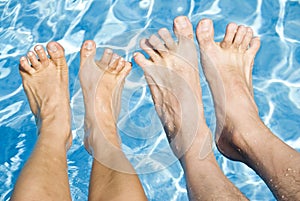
[(119, 25)]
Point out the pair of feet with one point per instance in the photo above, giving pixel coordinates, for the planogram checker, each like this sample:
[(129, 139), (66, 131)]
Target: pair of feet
[(173, 77)]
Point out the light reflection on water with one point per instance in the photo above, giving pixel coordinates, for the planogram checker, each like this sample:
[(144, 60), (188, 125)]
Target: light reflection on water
[(119, 25)]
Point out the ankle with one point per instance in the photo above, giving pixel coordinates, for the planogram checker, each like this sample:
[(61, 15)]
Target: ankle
[(101, 135), (249, 137), (56, 129), (55, 141), (201, 147)]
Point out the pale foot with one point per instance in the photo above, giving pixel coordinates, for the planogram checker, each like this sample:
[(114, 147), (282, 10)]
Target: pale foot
[(243, 136), (102, 84), (173, 77), (228, 68), (45, 82)]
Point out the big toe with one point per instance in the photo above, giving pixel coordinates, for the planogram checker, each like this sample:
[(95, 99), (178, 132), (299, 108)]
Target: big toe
[(205, 33), (88, 49), (183, 27), (57, 55), (141, 60)]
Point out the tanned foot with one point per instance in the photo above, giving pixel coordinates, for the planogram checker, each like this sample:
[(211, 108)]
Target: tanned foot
[(102, 84), (228, 68), (173, 77), (45, 82)]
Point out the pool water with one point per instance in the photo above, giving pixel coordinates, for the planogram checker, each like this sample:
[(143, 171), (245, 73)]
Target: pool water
[(119, 25)]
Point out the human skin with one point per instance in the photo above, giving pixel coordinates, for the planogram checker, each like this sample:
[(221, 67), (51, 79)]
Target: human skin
[(45, 82), (112, 175), (241, 135), (173, 77)]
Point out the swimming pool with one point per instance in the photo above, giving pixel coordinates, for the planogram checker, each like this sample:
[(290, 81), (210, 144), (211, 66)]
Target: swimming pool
[(119, 24)]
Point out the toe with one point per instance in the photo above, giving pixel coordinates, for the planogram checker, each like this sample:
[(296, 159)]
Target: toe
[(114, 62), (120, 65), (146, 46), (88, 49), (245, 43), (158, 45), (183, 27), (106, 58), (141, 60), (239, 36), (34, 60), (25, 66), (231, 30), (205, 33), (56, 52), (127, 68), (167, 38), (40, 51), (254, 46), (123, 67)]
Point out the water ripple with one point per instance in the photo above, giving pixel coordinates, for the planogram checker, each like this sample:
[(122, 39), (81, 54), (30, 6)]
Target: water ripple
[(120, 25)]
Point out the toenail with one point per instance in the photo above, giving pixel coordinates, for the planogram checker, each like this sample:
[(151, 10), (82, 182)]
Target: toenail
[(163, 30), (52, 47), (181, 22), (108, 51), (243, 29), (205, 25), (115, 56), (29, 54), (89, 45), (232, 26), (38, 47), (122, 62)]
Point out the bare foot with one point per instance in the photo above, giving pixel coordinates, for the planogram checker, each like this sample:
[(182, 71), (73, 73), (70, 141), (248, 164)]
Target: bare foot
[(243, 136), (173, 77), (102, 84), (228, 68), (45, 82)]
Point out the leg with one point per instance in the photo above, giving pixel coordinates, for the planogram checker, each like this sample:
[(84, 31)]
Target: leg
[(173, 77), (46, 85), (228, 66), (112, 176)]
